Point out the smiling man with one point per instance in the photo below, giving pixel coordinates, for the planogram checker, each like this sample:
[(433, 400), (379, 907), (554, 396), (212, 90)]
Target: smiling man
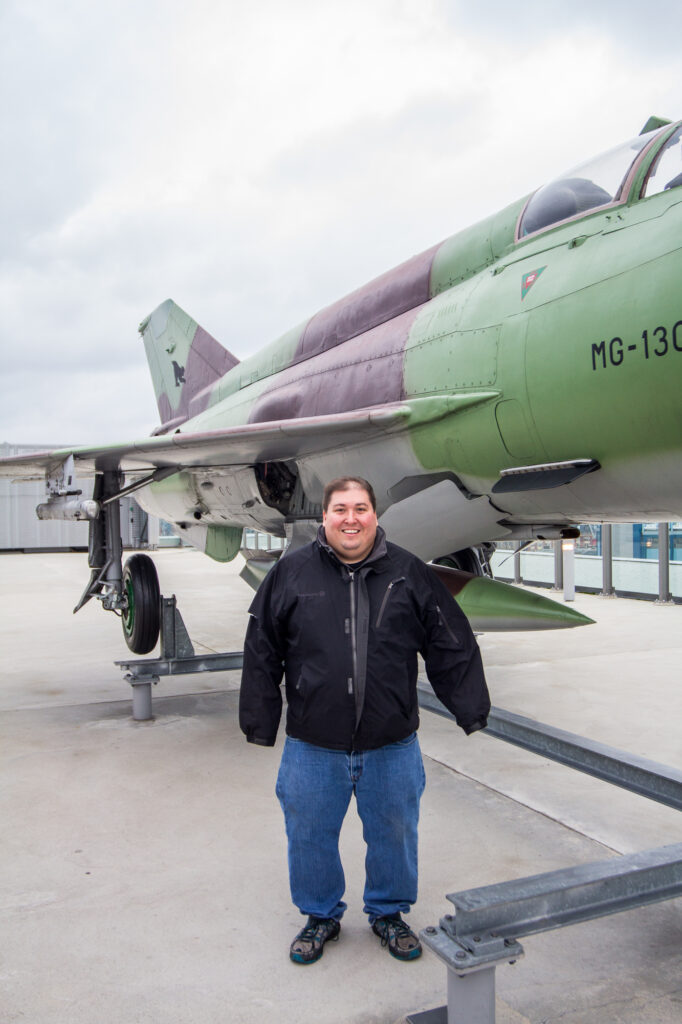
[(344, 619), (350, 523)]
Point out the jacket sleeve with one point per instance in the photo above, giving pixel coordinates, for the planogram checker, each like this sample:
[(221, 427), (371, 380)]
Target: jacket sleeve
[(453, 659), (260, 696)]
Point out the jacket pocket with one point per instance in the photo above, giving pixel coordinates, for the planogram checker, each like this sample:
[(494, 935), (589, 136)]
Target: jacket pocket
[(386, 599), (456, 640)]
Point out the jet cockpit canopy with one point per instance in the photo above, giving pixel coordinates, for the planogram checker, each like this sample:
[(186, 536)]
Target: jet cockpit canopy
[(590, 186)]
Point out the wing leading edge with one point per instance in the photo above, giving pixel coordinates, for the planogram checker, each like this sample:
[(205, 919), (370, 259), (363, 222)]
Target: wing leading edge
[(244, 444)]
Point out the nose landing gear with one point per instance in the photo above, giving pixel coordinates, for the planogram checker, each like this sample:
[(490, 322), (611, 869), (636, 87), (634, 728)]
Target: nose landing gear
[(133, 591)]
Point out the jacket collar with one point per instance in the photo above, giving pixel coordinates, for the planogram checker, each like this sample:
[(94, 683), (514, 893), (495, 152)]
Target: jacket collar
[(378, 551)]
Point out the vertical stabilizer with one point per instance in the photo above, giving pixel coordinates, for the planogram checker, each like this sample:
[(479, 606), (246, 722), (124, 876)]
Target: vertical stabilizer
[(185, 362)]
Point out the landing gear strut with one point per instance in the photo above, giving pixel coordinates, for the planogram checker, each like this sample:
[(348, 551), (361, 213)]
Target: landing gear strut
[(132, 591)]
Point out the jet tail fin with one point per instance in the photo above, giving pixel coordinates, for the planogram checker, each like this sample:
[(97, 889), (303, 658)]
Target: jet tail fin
[(654, 122), (185, 362)]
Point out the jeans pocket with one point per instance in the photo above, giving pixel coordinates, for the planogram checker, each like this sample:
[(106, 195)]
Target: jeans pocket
[(407, 742)]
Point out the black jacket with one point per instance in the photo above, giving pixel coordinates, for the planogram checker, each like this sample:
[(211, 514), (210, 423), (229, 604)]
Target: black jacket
[(347, 642)]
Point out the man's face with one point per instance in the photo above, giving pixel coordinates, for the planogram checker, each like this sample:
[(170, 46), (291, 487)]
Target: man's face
[(350, 524)]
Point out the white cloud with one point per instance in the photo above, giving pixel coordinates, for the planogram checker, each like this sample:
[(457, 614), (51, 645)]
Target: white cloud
[(257, 162)]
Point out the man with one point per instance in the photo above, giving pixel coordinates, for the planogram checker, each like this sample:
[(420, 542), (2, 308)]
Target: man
[(345, 618)]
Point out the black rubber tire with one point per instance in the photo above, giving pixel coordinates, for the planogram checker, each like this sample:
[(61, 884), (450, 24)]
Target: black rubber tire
[(141, 619), (466, 560)]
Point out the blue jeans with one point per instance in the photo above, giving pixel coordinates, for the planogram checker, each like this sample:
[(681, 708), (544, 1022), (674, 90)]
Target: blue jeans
[(314, 787)]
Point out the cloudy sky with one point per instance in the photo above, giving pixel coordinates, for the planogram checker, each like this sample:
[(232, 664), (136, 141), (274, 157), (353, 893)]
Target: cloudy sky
[(254, 162)]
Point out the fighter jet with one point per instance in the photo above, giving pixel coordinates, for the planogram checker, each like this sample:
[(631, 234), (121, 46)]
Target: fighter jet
[(520, 377)]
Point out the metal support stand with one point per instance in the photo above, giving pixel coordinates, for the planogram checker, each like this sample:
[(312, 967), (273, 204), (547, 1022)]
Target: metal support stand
[(471, 1000), (471, 997), (607, 560), (174, 638), (177, 658), (482, 931), (517, 566), (142, 699)]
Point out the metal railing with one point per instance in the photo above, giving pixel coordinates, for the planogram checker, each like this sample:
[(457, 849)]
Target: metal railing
[(562, 571), (488, 921), (483, 932), (637, 774)]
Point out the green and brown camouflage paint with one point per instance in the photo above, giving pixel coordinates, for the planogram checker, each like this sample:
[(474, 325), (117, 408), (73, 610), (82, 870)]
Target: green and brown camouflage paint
[(491, 350)]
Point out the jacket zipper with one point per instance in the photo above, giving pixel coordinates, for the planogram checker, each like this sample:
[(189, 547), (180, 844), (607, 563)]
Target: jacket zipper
[(385, 600), (353, 632)]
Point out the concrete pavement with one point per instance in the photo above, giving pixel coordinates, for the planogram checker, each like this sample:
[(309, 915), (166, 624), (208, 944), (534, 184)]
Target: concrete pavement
[(143, 866)]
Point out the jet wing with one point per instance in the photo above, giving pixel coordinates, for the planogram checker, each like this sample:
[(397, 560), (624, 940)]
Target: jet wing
[(244, 444)]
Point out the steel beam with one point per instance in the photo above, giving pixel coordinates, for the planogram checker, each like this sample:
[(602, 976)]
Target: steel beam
[(629, 771), (150, 668), (482, 932), (540, 903)]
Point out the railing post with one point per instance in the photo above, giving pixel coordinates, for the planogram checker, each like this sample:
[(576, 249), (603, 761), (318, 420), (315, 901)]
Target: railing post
[(607, 560), (664, 595), (568, 565), (558, 566)]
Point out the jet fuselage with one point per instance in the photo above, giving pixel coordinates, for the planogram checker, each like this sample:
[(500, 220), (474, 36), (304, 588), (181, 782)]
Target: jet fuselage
[(522, 341)]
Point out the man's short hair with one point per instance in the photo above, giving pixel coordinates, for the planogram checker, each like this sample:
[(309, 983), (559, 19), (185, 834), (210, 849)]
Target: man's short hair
[(345, 483)]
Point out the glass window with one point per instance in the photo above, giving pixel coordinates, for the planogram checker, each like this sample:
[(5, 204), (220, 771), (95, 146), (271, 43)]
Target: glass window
[(587, 187), (667, 170)]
